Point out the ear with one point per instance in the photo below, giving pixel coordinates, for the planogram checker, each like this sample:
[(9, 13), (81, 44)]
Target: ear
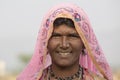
[(83, 47)]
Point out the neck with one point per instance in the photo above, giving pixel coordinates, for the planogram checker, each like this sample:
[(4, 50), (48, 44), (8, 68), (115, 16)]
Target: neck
[(65, 71)]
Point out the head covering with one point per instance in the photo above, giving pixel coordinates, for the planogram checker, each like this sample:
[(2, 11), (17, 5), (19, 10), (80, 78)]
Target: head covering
[(94, 59)]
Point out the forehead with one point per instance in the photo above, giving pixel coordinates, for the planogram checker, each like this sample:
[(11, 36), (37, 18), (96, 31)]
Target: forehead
[(64, 29)]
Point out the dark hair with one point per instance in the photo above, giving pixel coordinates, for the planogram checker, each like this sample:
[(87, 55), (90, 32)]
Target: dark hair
[(66, 21)]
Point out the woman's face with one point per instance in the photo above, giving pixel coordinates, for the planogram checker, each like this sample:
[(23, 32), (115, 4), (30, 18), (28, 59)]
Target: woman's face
[(65, 46)]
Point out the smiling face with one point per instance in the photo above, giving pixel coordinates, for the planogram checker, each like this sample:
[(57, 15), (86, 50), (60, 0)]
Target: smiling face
[(65, 46)]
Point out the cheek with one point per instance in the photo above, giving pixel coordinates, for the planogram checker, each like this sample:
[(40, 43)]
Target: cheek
[(77, 49), (52, 44), (77, 46)]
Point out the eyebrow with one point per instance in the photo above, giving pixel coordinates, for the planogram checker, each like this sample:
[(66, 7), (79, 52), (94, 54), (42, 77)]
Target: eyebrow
[(74, 34), (54, 33)]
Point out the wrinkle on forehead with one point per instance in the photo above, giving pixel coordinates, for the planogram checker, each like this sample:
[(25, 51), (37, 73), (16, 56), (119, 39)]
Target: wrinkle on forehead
[(61, 29)]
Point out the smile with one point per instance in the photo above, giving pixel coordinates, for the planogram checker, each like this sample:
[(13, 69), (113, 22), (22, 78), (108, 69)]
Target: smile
[(64, 54)]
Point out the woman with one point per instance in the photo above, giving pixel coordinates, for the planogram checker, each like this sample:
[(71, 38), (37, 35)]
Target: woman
[(67, 49)]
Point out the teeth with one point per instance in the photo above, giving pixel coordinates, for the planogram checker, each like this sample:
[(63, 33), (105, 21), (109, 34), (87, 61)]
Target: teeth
[(64, 54)]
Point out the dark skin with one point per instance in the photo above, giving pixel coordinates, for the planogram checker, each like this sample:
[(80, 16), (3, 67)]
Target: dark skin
[(65, 46)]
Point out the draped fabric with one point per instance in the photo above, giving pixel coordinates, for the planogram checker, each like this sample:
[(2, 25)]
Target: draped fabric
[(93, 60)]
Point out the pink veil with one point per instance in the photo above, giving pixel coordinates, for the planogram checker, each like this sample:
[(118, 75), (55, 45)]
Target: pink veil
[(94, 59)]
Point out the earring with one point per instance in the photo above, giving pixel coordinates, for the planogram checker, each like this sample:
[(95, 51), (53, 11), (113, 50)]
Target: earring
[(83, 52)]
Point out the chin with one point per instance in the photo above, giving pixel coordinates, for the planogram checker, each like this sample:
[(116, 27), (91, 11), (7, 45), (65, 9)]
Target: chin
[(63, 64)]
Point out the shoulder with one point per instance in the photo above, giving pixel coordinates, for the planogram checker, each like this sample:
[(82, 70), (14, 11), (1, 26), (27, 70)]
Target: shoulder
[(88, 75)]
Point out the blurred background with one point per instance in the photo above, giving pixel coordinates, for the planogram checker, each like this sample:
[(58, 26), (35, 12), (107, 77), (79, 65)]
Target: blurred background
[(20, 21)]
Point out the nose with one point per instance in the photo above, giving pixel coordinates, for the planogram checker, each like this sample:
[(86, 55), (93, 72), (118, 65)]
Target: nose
[(64, 43)]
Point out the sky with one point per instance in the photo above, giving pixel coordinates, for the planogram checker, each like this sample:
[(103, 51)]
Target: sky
[(20, 22)]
